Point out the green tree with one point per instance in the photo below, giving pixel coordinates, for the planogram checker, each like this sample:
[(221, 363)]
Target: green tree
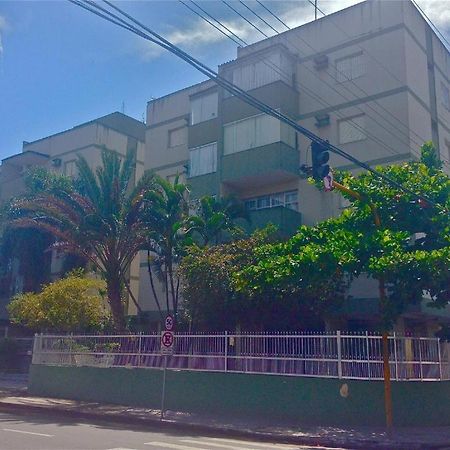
[(215, 216), (407, 247), (72, 304), (165, 214), (98, 217)]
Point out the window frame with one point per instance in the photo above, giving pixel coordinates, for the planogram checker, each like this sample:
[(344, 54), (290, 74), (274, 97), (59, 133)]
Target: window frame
[(214, 159), (339, 73), (350, 121)]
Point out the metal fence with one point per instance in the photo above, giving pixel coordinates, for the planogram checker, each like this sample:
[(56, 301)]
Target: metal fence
[(333, 355)]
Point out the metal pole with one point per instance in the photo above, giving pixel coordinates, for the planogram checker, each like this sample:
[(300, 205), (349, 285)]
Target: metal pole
[(163, 397), (315, 9), (339, 353)]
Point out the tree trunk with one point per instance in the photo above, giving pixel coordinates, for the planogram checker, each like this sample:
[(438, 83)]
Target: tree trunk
[(114, 289)]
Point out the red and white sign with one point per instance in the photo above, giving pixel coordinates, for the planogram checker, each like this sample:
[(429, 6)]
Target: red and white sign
[(328, 182), (167, 341)]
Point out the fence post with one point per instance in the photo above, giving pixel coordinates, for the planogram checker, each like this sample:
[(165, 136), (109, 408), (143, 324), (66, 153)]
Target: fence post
[(339, 353), (34, 358), (420, 358), (139, 349), (369, 375), (439, 358), (395, 355), (226, 352)]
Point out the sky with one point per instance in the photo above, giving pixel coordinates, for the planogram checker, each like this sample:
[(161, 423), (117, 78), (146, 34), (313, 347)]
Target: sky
[(61, 66)]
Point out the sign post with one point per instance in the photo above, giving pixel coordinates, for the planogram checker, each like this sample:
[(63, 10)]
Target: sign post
[(167, 342)]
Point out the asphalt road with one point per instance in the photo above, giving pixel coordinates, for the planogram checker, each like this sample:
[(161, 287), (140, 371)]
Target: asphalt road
[(39, 432)]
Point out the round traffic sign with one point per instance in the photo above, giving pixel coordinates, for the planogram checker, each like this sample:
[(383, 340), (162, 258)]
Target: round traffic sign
[(167, 339), (169, 323)]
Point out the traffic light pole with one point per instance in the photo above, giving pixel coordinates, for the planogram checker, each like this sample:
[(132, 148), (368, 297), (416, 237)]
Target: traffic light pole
[(382, 296)]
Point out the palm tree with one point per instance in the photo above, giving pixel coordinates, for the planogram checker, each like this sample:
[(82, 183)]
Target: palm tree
[(215, 216), (99, 218), (165, 213)]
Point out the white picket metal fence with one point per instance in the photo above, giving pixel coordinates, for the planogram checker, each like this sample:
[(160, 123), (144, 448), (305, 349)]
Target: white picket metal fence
[(332, 355)]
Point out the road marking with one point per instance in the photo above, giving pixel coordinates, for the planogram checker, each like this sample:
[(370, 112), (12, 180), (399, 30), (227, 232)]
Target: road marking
[(256, 444), (28, 432), (212, 444), (175, 446)]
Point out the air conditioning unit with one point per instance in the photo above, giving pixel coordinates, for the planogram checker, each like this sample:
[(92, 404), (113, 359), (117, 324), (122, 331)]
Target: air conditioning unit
[(56, 162), (321, 62)]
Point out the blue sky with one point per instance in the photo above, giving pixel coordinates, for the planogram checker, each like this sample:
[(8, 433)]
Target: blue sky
[(61, 66)]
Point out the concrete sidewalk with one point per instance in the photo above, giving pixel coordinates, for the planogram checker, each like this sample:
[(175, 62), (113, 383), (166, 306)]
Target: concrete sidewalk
[(13, 400)]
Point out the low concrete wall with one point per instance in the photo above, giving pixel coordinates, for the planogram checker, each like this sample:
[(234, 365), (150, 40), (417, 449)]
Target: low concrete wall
[(299, 400)]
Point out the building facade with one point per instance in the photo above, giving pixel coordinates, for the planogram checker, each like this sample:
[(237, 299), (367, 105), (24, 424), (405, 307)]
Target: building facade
[(58, 153), (373, 79)]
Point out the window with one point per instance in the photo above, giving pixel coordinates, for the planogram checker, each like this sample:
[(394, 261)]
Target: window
[(177, 137), (350, 67), (445, 96), (287, 199), (272, 68), (351, 130), (203, 160), (253, 132), (70, 169), (204, 108)]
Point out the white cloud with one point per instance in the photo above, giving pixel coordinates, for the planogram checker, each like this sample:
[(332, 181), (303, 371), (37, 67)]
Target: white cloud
[(439, 13), (197, 33)]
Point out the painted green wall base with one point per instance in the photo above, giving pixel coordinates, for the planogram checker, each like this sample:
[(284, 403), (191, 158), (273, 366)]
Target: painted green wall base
[(298, 400)]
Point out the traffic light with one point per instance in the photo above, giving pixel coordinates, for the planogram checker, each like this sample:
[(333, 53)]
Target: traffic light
[(320, 157)]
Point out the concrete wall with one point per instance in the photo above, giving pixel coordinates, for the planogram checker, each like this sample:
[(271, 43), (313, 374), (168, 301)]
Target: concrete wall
[(298, 400)]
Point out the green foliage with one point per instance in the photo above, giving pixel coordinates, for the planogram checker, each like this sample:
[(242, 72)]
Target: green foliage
[(98, 217), (215, 216), (71, 304), (212, 300), (322, 260)]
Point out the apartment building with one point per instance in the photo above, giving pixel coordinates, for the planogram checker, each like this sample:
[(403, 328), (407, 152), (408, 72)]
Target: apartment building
[(59, 152), (373, 79)]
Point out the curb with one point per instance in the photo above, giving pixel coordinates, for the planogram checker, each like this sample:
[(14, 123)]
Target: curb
[(221, 431)]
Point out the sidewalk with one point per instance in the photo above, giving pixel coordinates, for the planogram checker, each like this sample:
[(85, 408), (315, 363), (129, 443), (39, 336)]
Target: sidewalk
[(13, 400)]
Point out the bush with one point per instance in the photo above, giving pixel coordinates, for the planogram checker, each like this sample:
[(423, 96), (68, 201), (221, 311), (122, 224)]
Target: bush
[(72, 304)]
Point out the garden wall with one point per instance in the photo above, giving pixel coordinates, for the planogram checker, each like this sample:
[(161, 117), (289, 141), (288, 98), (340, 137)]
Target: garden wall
[(299, 400)]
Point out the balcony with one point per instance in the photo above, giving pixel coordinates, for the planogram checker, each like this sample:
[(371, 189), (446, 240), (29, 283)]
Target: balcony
[(287, 220), (272, 163)]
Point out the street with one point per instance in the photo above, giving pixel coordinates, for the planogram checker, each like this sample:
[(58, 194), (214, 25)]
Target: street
[(43, 432)]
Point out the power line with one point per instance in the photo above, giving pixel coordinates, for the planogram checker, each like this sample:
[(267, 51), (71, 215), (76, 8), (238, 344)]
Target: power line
[(365, 132), (258, 16), (272, 14), (220, 23), (262, 106), (357, 126), (164, 43), (205, 19), (245, 18)]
